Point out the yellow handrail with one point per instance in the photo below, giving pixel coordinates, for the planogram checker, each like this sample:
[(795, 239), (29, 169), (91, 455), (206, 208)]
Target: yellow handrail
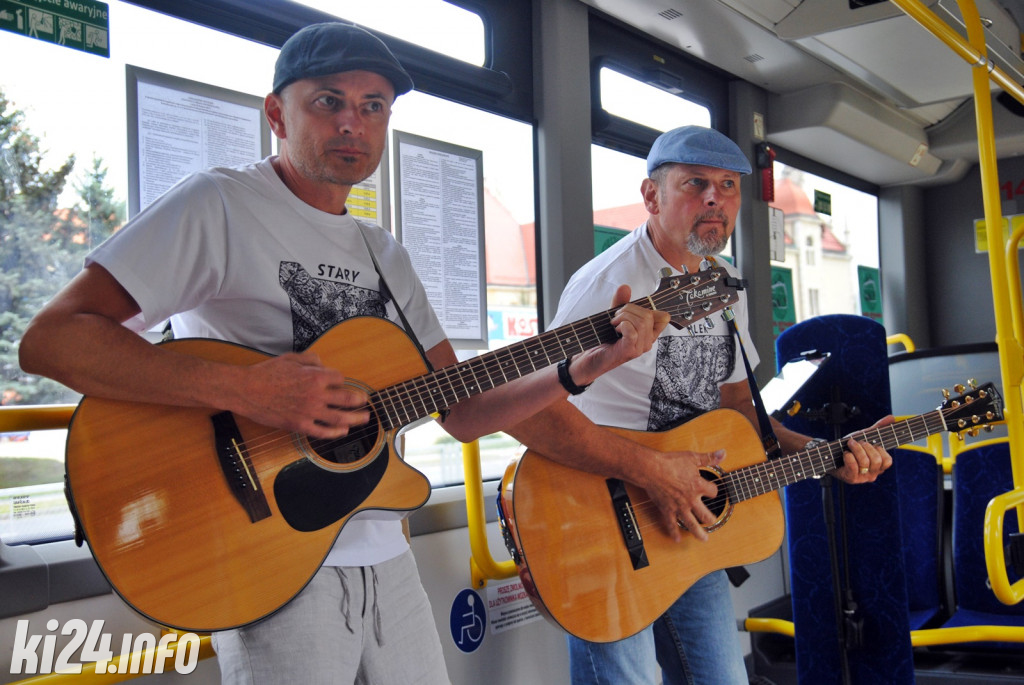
[(971, 53), (918, 638), (995, 560), (482, 565), (35, 417), (1013, 266), (1006, 307), (948, 636), (769, 625), (900, 339)]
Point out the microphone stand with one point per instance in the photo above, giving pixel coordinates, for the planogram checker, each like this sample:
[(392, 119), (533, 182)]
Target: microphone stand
[(849, 623)]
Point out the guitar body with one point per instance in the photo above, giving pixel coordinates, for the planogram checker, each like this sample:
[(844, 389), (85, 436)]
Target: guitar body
[(192, 544), (571, 552)]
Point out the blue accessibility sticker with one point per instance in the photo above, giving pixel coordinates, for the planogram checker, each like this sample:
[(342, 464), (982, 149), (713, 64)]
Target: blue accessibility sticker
[(468, 620)]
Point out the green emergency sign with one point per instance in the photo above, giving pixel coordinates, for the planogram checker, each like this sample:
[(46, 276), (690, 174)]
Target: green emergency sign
[(78, 24), (783, 299), (869, 280), (822, 202)]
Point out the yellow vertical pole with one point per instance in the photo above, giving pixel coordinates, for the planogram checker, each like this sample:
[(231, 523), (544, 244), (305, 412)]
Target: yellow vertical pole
[(481, 564), (1011, 353)]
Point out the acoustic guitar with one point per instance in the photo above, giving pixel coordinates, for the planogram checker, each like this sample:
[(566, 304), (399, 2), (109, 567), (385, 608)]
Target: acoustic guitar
[(593, 554), (204, 520)]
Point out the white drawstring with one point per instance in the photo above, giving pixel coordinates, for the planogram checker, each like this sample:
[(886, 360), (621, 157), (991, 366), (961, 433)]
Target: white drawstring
[(346, 599)]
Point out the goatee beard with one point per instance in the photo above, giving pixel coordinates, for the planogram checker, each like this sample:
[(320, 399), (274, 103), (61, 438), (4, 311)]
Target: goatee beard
[(712, 244)]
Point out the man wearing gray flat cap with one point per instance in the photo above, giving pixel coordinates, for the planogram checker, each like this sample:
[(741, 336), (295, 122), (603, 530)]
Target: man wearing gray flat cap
[(692, 197), (267, 256)]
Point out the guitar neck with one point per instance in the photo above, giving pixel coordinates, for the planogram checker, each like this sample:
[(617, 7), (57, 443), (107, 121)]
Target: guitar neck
[(825, 457), (424, 395)]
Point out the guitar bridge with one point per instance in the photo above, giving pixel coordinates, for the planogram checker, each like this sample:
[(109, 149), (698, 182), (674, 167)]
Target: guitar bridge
[(626, 519), (238, 470)]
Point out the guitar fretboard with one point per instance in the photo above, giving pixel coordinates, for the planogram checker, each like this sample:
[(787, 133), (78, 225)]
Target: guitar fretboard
[(684, 298), (418, 397), (764, 477)]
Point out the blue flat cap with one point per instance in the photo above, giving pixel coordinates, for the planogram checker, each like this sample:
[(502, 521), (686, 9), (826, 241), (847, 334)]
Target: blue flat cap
[(333, 47), (697, 145)]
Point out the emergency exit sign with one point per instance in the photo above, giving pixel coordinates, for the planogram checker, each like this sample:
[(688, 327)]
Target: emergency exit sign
[(78, 24)]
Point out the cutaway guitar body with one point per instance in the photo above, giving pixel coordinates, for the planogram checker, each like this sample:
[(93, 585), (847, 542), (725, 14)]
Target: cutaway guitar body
[(193, 544)]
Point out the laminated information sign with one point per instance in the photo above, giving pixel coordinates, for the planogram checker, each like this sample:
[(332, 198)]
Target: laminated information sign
[(79, 24)]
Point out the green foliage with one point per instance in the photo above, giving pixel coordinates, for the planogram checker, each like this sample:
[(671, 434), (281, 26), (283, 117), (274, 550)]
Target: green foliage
[(42, 246), (102, 213), (22, 471)]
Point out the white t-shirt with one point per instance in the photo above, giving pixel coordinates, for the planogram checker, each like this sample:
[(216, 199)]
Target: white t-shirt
[(233, 254), (679, 378)]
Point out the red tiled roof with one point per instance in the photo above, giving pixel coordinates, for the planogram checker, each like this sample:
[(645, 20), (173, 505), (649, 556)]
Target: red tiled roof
[(509, 246), (626, 217), (791, 199)]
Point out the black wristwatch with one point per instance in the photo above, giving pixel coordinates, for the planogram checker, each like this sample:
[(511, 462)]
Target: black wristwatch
[(566, 379)]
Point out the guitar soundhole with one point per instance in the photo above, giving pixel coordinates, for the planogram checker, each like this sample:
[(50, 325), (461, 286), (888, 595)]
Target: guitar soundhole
[(348, 450), (720, 505)]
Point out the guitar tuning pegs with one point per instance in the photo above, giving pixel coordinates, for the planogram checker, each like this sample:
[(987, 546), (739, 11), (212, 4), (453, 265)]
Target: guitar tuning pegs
[(989, 428), (959, 387), (945, 394), (665, 272), (973, 383)]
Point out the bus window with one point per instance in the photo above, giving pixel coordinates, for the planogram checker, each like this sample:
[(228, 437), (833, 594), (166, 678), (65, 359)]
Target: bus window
[(88, 183), (831, 244), (436, 25), (511, 287), (649, 105), (618, 207), (78, 124)]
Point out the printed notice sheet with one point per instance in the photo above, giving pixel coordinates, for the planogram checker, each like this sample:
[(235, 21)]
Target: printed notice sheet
[(440, 222), (182, 132)]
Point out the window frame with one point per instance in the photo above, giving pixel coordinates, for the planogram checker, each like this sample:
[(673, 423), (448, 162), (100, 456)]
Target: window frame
[(503, 86), (619, 47)]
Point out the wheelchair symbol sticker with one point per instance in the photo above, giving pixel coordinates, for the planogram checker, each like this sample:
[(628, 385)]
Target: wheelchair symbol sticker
[(468, 620)]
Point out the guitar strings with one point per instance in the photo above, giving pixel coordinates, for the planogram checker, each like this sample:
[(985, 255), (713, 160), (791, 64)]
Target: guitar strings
[(491, 361), (406, 394), (902, 432)]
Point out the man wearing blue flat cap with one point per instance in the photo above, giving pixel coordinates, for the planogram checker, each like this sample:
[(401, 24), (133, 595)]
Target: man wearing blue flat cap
[(692, 196), (266, 255)]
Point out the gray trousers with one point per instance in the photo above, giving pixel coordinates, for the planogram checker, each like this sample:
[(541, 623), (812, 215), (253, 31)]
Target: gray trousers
[(349, 625)]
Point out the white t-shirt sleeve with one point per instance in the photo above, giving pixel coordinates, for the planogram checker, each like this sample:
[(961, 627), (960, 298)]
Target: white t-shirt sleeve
[(191, 233)]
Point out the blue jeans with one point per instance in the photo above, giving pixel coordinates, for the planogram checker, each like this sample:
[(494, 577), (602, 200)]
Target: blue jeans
[(695, 642)]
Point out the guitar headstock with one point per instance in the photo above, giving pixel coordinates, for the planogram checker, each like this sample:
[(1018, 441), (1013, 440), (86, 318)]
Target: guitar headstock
[(691, 297), (973, 410)]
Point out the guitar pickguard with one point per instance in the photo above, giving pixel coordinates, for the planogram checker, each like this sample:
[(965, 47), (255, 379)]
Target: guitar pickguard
[(311, 497), (336, 476)]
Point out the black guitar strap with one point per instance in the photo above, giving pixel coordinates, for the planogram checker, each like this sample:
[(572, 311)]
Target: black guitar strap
[(772, 449), (386, 292), (768, 438), (769, 441)]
